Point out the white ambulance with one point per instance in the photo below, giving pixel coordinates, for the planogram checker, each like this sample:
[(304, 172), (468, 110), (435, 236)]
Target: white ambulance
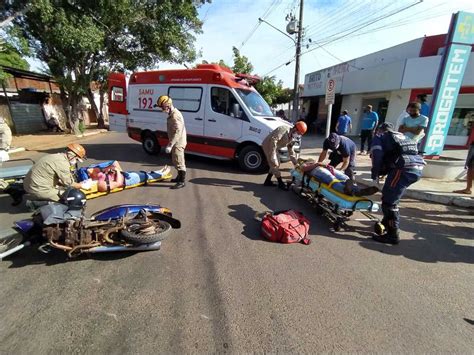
[(225, 117)]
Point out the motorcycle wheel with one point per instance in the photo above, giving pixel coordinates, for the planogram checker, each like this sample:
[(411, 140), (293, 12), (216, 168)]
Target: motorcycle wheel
[(137, 236)]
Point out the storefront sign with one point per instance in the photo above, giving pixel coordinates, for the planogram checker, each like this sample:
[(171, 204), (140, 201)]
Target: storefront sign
[(448, 83)]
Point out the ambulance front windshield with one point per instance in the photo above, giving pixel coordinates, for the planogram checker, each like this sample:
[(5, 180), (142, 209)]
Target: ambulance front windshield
[(256, 104)]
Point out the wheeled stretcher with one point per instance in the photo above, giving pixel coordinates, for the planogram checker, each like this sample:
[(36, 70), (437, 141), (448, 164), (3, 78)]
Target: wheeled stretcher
[(329, 200)]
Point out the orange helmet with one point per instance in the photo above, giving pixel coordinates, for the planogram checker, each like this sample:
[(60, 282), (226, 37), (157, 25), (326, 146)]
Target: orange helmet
[(77, 149), (301, 127)]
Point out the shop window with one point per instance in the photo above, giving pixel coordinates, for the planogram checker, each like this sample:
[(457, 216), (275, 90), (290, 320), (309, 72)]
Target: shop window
[(185, 98), (462, 122)]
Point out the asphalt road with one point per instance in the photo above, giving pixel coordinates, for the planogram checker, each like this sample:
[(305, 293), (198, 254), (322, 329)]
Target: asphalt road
[(216, 286)]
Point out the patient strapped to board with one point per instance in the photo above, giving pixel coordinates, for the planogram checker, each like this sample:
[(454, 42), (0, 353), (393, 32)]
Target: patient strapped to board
[(335, 179), (109, 177)]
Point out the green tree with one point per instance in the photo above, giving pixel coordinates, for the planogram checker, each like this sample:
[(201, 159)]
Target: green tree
[(10, 56), (81, 40), (272, 91), (242, 64)]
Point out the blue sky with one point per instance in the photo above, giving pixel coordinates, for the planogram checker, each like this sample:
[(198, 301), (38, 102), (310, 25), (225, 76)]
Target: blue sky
[(230, 23)]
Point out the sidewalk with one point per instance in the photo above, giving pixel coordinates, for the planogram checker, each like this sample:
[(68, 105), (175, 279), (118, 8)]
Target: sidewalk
[(426, 189), (48, 140)]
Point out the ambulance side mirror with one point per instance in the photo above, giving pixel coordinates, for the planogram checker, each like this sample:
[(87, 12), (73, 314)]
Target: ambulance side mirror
[(236, 111)]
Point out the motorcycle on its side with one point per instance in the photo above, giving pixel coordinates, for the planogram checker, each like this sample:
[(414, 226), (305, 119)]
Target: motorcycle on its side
[(128, 227)]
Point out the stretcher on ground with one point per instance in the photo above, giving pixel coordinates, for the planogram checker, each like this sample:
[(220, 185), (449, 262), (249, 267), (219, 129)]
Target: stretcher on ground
[(139, 178), (334, 205), (15, 170)]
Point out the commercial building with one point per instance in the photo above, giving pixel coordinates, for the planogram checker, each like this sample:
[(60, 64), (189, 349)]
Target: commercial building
[(388, 80)]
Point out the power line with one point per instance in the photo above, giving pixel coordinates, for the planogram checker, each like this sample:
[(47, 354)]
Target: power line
[(267, 12), (347, 34)]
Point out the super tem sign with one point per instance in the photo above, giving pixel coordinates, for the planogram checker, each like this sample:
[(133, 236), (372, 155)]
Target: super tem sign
[(145, 99)]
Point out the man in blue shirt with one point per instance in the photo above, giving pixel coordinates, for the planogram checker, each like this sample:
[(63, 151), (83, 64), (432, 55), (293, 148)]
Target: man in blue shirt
[(344, 124), (422, 99), (343, 150), (394, 155), (370, 121), (414, 124)]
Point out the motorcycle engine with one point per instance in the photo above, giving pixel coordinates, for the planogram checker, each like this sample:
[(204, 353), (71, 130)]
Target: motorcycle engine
[(69, 234)]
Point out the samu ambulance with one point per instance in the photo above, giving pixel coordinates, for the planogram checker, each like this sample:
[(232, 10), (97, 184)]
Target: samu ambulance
[(225, 117)]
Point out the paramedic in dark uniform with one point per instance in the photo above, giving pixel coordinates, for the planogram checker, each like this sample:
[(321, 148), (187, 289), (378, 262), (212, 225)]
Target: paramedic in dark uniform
[(343, 150), (283, 136), (177, 139), (394, 155), (53, 173)]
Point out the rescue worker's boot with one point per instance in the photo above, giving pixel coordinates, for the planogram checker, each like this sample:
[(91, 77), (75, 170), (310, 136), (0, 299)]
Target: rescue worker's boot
[(180, 180), (268, 180), (282, 185), (392, 236)]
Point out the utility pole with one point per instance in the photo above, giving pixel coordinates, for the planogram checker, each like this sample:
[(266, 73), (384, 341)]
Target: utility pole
[(296, 97)]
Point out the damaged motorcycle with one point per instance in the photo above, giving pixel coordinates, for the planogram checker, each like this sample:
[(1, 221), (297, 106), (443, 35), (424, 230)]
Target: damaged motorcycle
[(62, 225)]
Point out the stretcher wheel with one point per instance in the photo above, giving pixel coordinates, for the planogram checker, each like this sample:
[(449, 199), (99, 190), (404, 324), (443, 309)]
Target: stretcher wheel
[(337, 226), (379, 228), (319, 210)]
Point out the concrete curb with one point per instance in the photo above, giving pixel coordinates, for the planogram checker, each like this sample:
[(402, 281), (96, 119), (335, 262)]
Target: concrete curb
[(458, 201), (16, 150), (91, 133)]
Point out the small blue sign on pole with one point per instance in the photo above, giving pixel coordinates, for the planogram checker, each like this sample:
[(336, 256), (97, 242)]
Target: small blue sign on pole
[(449, 80)]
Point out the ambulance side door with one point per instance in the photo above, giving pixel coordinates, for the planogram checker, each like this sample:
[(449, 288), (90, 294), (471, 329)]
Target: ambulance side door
[(220, 121)]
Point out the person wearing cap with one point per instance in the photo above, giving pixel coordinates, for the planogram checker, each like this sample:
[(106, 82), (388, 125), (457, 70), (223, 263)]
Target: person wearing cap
[(51, 174), (343, 150), (395, 155), (177, 139), (283, 136)]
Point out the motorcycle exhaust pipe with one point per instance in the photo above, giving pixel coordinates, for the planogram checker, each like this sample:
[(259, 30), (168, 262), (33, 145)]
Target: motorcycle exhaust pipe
[(118, 248), (13, 250)]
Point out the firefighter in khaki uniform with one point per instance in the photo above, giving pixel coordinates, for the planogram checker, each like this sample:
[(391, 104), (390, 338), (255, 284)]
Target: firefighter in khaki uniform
[(282, 136), (50, 175), (177, 138)]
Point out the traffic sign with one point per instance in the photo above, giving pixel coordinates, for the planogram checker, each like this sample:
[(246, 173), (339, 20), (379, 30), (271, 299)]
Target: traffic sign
[(330, 91)]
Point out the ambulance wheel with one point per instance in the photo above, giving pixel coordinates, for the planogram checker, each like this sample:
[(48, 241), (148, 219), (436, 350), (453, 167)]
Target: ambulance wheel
[(251, 159), (379, 228), (150, 144)]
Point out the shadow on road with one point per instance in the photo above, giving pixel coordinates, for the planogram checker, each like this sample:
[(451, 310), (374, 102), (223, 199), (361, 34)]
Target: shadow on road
[(30, 256), (432, 241)]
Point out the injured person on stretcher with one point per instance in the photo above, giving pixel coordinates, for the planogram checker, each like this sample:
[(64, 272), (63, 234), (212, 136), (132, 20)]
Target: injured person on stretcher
[(109, 176), (335, 179)]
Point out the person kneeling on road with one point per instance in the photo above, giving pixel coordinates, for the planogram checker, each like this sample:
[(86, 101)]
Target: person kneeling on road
[(343, 150), (394, 155), (52, 174), (177, 138), (282, 136)]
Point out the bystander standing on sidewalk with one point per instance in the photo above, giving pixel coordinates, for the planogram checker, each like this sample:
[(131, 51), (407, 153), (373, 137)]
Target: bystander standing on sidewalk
[(470, 172), (344, 124), (5, 135), (414, 124), (370, 121)]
